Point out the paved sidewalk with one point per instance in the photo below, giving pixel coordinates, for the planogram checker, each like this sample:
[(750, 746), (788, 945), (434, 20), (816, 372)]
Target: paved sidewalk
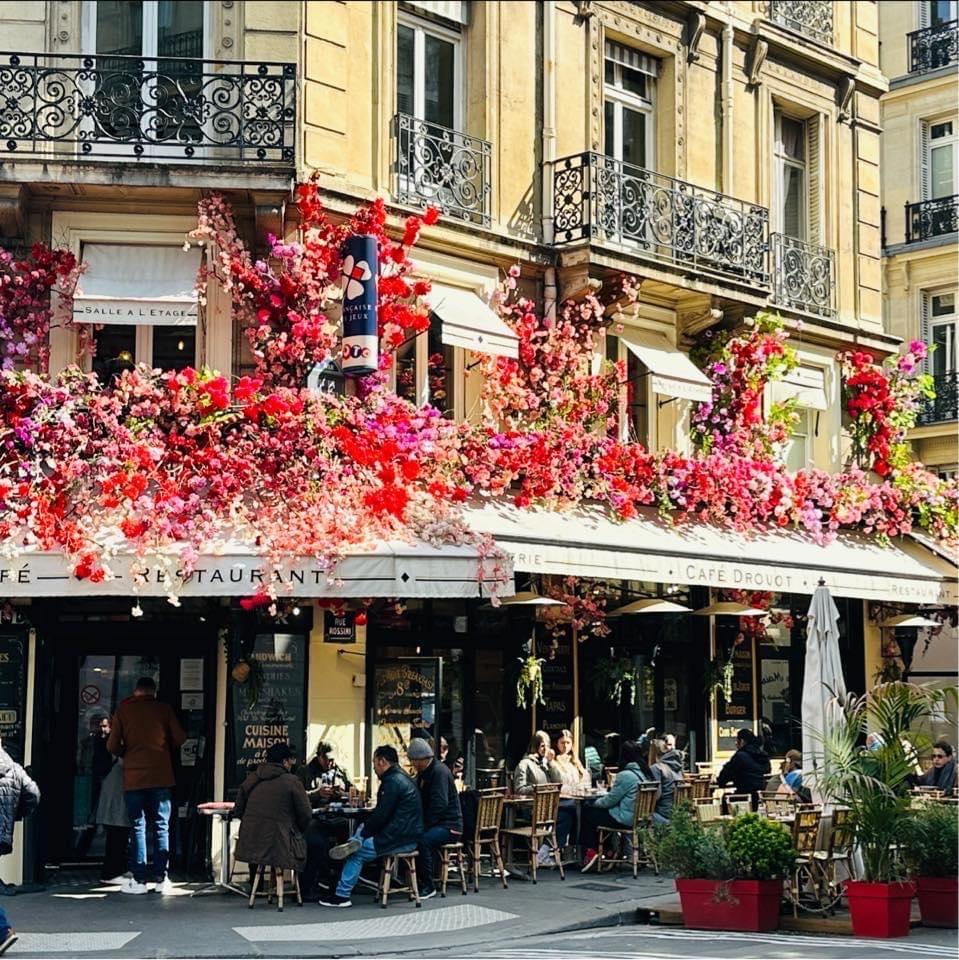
[(99, 921)]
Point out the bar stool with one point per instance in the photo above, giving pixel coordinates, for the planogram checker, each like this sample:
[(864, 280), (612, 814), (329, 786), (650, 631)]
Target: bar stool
[(276, 876), (451, 855), (388, 864)]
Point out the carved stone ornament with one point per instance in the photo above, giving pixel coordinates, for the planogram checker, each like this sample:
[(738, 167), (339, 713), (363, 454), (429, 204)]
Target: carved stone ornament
[(844, 93), (584, 10), (695, 25), (757, 57)]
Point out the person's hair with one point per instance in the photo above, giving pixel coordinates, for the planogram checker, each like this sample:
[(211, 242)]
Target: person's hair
[(944, 746), (656, 749), (559, 736), (323, 749), (541, 736), (146, 683), (793, 758), (386, 753), (279, 752), (747, 736), (631, 752)]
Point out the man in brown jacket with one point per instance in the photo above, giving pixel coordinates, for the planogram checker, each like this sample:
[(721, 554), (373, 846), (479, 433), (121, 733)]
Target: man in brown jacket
[(274, 813), (143, 732)]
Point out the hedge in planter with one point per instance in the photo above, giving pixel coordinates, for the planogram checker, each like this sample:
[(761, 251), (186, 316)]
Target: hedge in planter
[(932, 854)]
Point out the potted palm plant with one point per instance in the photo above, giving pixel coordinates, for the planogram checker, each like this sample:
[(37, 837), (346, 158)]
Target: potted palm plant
[(874, 783), (730, 877), (931, 853)]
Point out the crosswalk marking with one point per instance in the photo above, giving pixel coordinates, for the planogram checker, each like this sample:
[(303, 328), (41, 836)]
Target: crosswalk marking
[(88, 941)]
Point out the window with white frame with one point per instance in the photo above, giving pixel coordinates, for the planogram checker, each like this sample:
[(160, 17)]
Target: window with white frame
[(797, 177), (932, 13), (429, 71), (939, 323), (799, 450), (633, 416), (426, 371), (940, 158), (628, 105)]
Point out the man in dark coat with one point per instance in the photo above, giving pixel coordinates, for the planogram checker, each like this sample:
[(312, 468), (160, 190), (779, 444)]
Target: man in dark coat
[(274, 812), (325, 782), (748, 768), (942, 774), (442, 815), (395, 826), (19, 797)]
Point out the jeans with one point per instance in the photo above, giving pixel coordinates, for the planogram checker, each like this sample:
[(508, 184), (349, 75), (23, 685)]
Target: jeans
[(4, 925), (430, 842), (592, 819), (354, 864), (153, 805)]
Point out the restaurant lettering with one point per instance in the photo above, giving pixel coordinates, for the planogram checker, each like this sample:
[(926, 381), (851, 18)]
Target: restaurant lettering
[(98, 313)]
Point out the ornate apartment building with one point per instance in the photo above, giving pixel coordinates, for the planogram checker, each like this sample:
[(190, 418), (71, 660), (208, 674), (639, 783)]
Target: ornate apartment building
[(920, 163)]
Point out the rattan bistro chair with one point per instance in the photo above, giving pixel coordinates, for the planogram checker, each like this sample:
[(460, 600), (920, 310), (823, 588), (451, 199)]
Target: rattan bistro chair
[(838, 854), (708, 809), (700, 787), (637, 834), (542, 828), (684, 792), (805, 835), (277, 875), (451, 855), (779, 804), (739, 803), (489, 819)]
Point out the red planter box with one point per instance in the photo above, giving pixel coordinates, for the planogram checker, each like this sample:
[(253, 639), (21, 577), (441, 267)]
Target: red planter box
[(879, 909), (751, 905), (938, 901)]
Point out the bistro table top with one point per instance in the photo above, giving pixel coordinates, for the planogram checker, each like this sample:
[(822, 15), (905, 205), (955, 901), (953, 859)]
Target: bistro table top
[(216, 807)]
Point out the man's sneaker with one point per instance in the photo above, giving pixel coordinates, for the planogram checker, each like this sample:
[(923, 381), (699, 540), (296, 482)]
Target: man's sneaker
[(120, 879), (131, 886), (165, 887), (335, 900), (427, 894), (8, 941), (589, 861), (342, 850)]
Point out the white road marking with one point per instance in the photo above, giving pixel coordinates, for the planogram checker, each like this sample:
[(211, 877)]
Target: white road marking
[(89, 941)]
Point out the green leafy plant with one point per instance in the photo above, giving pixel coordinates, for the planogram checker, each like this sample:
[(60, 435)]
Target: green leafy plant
[(529, 683), (690, 851), (718, 677), (760, 849), (932, 841), (614, 676)]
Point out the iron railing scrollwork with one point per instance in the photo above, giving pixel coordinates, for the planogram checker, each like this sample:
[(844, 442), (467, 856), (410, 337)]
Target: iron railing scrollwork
[(945, 405), (814, 18), (440, 167), (804, 276), (158, 108), (934, 47), (932, 218), (597, 197)]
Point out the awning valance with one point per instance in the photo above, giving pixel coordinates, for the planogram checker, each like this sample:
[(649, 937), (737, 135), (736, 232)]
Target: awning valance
[(805, 385), (470, 323), (137, 285), (671, 371), (587, 542), (393, 569)]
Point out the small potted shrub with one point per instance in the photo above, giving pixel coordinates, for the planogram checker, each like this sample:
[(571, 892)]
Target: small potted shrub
[(729, 878), (931, 853)]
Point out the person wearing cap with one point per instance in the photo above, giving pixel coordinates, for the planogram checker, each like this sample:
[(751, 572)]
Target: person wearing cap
[(274, 813), (442, 815)]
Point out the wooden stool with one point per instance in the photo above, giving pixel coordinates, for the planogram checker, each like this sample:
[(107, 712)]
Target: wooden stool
[(451, 854), (386, 876), (277, 876)]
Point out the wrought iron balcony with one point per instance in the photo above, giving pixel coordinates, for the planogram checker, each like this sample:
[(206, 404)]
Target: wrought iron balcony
[(804, 276), (598, 198), (934, 47), (436, 166), (945, 405), (811, 17), (75, 106), (932, 218)]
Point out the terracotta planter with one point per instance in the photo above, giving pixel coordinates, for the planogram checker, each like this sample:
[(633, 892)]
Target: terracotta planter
[(749, 905), (938, 901), (879, 909)]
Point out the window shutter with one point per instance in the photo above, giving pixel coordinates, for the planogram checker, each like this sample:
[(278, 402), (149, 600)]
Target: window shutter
[(925, 327), (814, 168), (925, 188), (923, 14)]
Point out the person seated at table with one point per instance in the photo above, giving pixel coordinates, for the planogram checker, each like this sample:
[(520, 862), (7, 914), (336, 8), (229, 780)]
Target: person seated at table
[(572, 772), (322, 772), (672, 757), (942, 774), (748, 768), (442, 815), (791, 777), (274, 813), (325, 782), (538, 768), (613, 809), (394, 826), (792, 760), (666, 778)]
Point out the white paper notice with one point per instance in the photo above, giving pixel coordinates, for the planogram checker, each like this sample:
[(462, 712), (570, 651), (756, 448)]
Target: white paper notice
[(191, 673)]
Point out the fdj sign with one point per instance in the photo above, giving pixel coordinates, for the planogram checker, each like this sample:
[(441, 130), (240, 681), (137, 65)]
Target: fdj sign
[(360, 340)]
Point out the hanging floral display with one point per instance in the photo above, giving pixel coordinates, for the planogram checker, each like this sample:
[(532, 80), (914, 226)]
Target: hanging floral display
[(583, 606)]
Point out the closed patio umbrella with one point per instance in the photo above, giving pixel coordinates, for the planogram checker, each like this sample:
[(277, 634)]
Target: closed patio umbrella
[(822, 684)]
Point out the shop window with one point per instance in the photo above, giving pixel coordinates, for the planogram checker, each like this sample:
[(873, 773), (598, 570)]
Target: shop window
[(628, 105)]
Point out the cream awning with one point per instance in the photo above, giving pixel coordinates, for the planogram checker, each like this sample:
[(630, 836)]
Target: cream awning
[(470, 323), (137, 285), (671, 371), (805, 385), (587, 542)]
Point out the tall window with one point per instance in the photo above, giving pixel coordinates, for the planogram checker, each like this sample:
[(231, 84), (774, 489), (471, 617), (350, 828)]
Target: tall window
[(934, 12), (940, 162), (940, 321), (429, 72), (793, 187), (426, 371), (633, 414), (799, 452), (629, 96)]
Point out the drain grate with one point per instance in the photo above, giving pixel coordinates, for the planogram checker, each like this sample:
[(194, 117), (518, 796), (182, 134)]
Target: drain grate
[(600, 887)]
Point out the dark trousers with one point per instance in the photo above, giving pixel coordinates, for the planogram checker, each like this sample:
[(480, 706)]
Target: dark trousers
[(565, 821), (592, 818), (430, 842), (320, 836), (115, 856)]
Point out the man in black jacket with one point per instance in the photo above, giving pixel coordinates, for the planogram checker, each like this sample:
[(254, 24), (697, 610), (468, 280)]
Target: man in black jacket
[(441, 810), (748, 768), (395, 826)]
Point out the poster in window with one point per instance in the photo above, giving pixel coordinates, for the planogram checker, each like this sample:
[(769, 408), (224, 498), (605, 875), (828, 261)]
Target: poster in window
[(13, 693)]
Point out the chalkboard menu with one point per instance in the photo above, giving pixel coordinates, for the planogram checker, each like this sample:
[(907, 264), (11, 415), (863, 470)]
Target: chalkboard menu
[(279, 711), (738, 711), (406, 700), (557, 714), (13, 693)]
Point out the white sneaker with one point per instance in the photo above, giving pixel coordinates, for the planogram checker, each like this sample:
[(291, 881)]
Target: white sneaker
[(165, 887), (120, 879), (544, 856), (131, 886)]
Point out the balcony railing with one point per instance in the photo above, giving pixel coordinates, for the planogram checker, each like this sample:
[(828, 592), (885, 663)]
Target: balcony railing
[(596, 197), (945, 405), (811, 17), (75, 106), (932, 218), (804, 276), (934, 47), (439, 167)]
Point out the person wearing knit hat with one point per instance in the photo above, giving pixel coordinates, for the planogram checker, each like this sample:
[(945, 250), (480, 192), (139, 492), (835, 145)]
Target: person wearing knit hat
[(442, 814)]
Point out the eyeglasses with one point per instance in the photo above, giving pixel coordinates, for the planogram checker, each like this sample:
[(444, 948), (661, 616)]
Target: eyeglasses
[(938, 756)]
